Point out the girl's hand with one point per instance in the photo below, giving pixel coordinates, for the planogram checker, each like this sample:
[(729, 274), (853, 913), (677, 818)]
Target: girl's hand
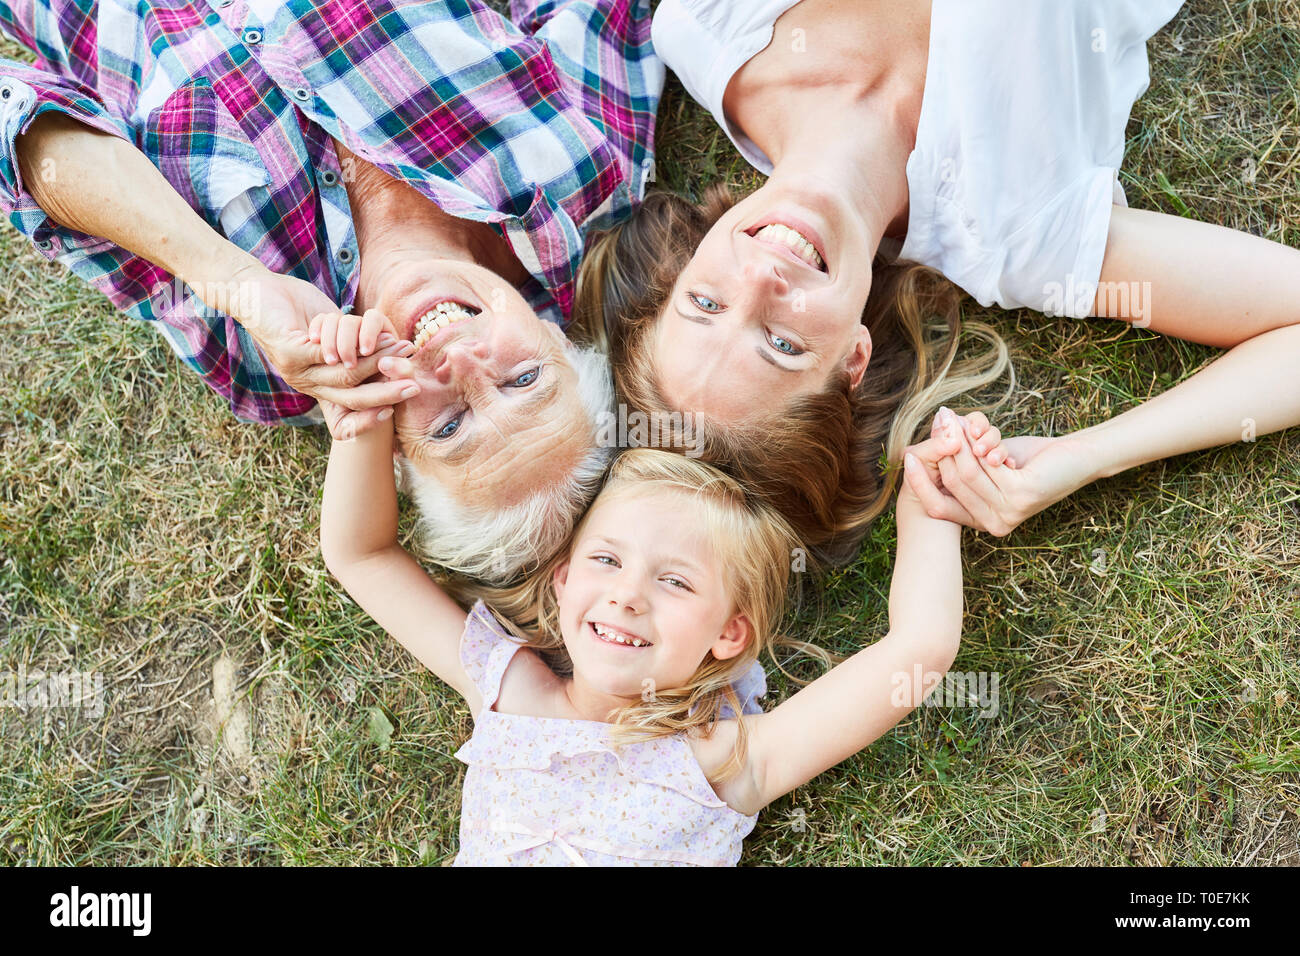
[(346, 338)]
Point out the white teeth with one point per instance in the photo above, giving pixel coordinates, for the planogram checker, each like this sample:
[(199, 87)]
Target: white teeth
[(615, 637), (439, 317), (794, 240)]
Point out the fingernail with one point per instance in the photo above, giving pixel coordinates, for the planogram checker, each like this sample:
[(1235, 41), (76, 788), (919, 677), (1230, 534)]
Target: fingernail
[(385, 364), (385, 415), (909, 460), (411, 392), (945, 413), (330, 358)]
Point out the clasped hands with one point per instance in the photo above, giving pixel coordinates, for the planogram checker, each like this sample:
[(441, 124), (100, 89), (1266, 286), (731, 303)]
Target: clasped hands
[(967, 473)]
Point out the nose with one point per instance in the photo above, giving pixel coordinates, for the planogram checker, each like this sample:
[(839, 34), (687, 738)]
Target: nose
[(460, 361), (761, 275), (626, 594)]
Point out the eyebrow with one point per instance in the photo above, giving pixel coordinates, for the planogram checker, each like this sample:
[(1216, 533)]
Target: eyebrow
[(466, 449), (697, 319)]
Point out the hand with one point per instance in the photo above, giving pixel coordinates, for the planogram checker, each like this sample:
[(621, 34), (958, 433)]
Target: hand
[(278, 311), (344, 338), (997, 490)]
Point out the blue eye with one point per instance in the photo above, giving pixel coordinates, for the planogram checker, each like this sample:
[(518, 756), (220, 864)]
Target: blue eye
[(523, 381), (678, 583), (703, 303), (784, 346), (449, 429)]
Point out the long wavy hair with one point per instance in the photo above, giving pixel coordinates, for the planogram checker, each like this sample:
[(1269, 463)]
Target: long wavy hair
[(829, 462), (755, 548)]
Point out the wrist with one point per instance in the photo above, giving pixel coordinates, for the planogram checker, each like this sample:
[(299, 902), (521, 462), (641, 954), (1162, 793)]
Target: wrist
[(1102, 451)]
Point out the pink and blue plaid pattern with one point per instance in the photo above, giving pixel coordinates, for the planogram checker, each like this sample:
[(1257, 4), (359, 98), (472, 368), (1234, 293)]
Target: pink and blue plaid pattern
[(541, 125)]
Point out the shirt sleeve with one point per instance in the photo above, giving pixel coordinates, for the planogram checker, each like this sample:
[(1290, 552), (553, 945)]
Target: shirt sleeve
[(604, 49), (25, 93)]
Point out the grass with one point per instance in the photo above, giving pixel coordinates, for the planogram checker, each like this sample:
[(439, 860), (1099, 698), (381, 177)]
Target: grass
[(1144, 630)]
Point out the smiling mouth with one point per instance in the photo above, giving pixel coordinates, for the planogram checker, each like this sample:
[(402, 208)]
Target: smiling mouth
[(445, 313), (612, 635), (779, 234)]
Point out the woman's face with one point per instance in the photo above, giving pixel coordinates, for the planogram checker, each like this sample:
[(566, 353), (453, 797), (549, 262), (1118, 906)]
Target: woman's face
[(499, 414), (769, 307)]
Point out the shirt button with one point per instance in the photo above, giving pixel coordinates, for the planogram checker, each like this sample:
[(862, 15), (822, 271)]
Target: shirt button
[(45, 245), (302, 94), (252, 36), (6, 91), (224, 3), (328, 177), (345, 256)]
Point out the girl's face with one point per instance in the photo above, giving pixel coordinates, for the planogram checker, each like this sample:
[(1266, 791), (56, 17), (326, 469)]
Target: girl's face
[(769, 307), (642, 599)]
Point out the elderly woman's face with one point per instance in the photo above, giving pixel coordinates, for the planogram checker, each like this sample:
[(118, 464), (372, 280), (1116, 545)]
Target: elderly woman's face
[(498, 415)]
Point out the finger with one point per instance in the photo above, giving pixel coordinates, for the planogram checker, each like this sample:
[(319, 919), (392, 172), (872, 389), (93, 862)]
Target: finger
[(372, 323), (371, 394), (329, 337), (397, 367), (349, 328), (965, 479), (934, 501), (929, 452), (326, 376), (986, 442), (976, 424), (313, 330)]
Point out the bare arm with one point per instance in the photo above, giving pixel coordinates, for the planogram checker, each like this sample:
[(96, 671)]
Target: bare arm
[(1183, 278), (359, 541), (858, 701), (103, 186)]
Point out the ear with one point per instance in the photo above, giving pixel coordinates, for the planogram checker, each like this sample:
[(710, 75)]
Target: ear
[(560, 578), (734, 638), (859, 357)]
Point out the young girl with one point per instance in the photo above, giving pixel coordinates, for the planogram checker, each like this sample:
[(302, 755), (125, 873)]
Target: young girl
[(622, 728)]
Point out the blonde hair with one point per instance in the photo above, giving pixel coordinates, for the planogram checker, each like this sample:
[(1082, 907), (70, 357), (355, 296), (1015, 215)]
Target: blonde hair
[(755, 548), (828, 461)]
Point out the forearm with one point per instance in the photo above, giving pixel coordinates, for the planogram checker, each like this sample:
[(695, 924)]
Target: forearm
[(359, 512), (103, 186), (1252, 390), (925, 596)]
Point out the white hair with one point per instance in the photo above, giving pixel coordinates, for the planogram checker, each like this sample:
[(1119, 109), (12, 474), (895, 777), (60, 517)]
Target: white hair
[(498, 545)]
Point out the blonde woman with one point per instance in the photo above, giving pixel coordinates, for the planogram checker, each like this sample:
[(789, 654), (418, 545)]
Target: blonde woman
[(977, 140)]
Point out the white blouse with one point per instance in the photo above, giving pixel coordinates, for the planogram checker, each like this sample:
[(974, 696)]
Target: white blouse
[(1021, 133)]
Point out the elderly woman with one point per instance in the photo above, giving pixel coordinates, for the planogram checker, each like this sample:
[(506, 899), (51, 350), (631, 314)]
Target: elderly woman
[(234, 173)]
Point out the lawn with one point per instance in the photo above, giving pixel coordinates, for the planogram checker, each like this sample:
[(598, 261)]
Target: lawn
[(1144, 632)]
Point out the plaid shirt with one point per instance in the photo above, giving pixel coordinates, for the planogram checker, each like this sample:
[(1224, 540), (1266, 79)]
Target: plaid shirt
[(541, 126)]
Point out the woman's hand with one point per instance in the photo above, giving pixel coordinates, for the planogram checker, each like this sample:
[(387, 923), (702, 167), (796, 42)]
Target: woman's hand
[(968, 474), (350, 339), (278, 312)]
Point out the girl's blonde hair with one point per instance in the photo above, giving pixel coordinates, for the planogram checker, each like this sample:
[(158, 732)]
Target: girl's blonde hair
[(755, 548), (829, 461)]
